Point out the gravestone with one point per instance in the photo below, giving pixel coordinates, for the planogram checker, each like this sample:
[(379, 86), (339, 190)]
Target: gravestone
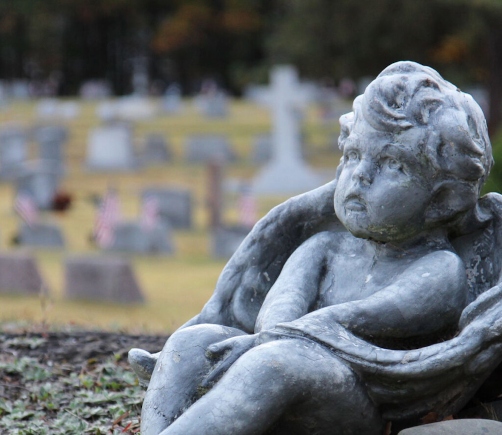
[(4, 95), (261, 148), (135, 108), (13, 152), (213, 105), (40, 179), (107, 111), (101, 278), (110, 148), (43, 235), (19, 274), (156, 150), (20, 89), (226, 239), (95, 89), (286, 173), (174, 205), (47, 108), (135, 238), (204, 148), (171, 102), (51, 140), (50, 133)]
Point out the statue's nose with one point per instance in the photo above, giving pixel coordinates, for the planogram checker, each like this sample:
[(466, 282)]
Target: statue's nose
[(364, 173)]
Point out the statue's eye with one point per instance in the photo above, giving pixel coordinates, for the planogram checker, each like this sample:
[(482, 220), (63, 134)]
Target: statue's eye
[(351, 156), (394, 164)]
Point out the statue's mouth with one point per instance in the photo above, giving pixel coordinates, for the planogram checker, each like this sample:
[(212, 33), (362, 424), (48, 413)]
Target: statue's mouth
[(355, 203)]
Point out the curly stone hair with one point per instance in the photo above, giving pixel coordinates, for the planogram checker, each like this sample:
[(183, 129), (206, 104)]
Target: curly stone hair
[(409, 95)]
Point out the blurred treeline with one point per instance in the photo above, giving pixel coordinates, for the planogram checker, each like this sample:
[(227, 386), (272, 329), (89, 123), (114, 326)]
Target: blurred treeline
[(235, 41)]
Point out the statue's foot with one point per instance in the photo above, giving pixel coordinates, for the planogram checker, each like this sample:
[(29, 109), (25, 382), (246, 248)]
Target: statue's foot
[(143, 363)]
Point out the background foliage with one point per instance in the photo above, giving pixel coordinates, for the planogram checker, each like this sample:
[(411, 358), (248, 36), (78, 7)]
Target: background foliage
[(235, 41)]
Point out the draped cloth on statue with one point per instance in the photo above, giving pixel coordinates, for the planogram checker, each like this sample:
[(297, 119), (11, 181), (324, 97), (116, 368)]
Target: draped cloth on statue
[(440, 377)]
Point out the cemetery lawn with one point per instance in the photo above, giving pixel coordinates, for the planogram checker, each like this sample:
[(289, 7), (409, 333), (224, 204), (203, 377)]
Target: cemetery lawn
[(175, 287)]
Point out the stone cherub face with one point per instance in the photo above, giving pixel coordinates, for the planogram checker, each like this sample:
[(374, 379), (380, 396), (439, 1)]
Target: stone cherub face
[(415, 156), (383, 187)]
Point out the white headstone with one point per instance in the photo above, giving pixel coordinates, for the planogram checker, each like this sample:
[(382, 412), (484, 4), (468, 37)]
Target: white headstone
[(110, 148), (135, 108), (286, 173), (171, 102)]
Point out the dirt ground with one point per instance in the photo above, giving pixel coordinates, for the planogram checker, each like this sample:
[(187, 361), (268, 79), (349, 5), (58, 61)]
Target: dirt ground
[(69, 383), (76, 347)]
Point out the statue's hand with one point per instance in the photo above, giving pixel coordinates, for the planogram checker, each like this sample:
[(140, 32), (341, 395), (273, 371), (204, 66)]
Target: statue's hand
[(231, 349)]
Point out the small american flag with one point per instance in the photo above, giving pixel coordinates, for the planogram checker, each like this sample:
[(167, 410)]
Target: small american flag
[(149, 213), (25, 207), (247, 206), (106, 219)]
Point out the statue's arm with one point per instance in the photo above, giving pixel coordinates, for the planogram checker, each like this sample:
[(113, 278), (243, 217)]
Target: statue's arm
[(255, 266), (296, 290), (427, 297)]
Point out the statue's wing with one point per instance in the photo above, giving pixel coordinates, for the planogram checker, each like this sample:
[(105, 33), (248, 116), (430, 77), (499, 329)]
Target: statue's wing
[(254, 267), (481, 250)]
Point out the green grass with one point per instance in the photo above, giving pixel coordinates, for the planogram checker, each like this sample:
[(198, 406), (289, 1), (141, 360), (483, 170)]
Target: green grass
[(175, 287)]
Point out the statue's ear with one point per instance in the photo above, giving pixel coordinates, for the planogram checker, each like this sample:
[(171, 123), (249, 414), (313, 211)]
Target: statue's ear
[(449, 198)]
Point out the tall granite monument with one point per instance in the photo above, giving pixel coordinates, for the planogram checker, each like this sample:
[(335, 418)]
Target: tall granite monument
[(286, 173)]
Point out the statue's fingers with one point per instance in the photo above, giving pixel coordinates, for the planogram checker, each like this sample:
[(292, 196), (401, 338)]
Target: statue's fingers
[(217, 348), (217, 372)]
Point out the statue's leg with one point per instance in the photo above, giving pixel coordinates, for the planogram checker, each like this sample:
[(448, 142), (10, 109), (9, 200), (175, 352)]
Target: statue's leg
[(291, 383), (175, 381)]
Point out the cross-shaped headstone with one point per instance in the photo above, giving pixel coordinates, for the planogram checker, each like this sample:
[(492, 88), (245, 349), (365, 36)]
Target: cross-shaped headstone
[(286, 173)]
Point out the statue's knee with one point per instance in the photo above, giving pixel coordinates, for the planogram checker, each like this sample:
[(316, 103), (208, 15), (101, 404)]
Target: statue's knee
[(273, 360), (199, 336)]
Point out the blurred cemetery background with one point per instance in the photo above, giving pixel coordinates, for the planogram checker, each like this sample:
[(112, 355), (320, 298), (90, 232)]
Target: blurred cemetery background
[(140, 141)]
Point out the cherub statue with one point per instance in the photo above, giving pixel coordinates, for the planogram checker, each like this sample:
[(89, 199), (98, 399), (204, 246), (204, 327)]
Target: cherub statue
[(336, 321)]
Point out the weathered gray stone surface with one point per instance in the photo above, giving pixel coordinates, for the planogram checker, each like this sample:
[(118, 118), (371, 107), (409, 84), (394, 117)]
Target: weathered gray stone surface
[(40, 179), (156, 150), (110, 148), (204, 148), (175, 205), (13, 151), (226, 239), (457, 427), (102, 278), (19, 274), (51, 140), (133, 237), (376, 297), (43, 235)]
